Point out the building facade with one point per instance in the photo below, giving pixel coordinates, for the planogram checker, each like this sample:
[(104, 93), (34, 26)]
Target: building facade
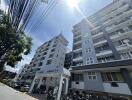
[(20, 76), (68, 60), (51, 53), (21, 11), (103, 38), (111, 78)]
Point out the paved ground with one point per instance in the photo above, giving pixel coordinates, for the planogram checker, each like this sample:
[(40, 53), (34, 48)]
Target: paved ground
[(7, 93)]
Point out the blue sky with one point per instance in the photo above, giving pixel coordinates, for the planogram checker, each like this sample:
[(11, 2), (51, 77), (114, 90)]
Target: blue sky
[(60, 19)]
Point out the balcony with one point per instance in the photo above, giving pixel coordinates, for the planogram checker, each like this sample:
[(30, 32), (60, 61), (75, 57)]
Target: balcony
[(100, 43), (125, 47), (78, 49), (104, 53), (119, 16), (78, 58), (124, 22), (96, 28), (119, 35), (97, 35), (115, 12)]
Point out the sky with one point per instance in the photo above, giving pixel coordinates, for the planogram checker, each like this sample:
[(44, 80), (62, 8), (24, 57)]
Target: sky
[(60, 20)]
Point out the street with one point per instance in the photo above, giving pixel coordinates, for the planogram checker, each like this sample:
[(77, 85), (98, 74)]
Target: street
[(7, 93)]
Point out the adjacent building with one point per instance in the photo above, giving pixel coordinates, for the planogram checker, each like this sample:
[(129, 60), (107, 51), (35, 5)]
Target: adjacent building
[(21, 11), (51, 53), (102, 48), (68, 60), (21, 77)]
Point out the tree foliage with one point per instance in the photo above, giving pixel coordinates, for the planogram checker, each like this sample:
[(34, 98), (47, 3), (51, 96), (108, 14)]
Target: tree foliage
[(13, 43)]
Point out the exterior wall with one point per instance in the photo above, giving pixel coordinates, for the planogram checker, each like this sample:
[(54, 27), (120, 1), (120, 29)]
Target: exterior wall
[(121, 89), (86, 42), (106, 28), (80, 85), (68, 60), (94, 85)]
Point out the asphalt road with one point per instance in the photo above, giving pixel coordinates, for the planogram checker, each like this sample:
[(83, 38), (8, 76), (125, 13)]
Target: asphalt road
[(7, 93)]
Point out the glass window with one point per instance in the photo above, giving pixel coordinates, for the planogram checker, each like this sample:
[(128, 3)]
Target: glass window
[(92, 76), (77, 77), (49, 62), (40, 64), (51, 55), (88, 50), (112, 76), (42, 58), (89, 61)]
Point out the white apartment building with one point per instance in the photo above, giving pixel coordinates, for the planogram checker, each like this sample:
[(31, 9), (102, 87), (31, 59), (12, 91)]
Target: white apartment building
[(101, 41), (104, 36), (51, 53), (20, 77)]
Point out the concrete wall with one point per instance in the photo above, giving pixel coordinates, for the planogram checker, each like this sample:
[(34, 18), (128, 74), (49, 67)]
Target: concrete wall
[(122, 88), (80, 85), (95, 85)]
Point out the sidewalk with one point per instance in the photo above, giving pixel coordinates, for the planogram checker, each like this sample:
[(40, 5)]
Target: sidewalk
[(7, 93)]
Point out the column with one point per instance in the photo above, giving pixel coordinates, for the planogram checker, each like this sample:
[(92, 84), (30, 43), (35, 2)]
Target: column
[(127, 77), (40, 82), (67, 84), (60, 88), (31, 87)]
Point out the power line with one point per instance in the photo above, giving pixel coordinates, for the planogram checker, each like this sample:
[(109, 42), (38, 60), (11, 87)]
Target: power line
[(36, 21), (30, 13), (44, 15)]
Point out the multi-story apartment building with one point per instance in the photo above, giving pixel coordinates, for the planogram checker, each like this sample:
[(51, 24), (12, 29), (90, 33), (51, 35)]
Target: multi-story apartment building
[(104, 37), (21, 11), (51, 53), (20, 76)]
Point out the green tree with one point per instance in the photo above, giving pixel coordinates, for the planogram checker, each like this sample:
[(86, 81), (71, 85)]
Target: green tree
[(13, 44)]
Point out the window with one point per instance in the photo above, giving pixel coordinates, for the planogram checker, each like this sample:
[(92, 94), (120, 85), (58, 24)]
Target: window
[(126, 55), (88, 50), (77, 77), (49, 62), (89, 61), (112, 76), (45, 53), (51, 55), (78, 54), (77, 39), (92, 76), (52, 50), (42, 58), (40, 64)]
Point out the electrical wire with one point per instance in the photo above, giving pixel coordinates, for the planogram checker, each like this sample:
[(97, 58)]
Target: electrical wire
[(44, 16), (41, 17), (30, 13), (35, 21)]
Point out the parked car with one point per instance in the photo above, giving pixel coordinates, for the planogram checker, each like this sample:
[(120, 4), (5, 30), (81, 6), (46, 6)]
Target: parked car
[(24, 88), (16, 86)]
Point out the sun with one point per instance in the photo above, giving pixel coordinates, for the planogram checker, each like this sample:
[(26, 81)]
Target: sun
[(73, 3)]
